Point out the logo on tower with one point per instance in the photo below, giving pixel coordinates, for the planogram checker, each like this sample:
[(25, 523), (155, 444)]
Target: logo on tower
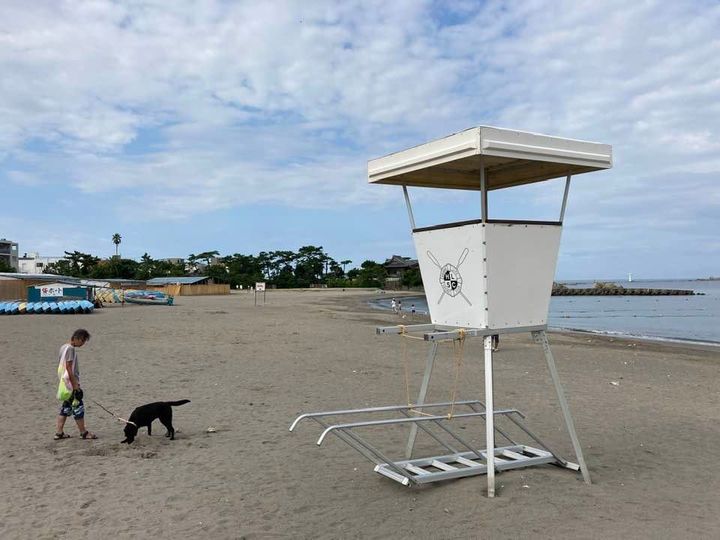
[(450, 279)]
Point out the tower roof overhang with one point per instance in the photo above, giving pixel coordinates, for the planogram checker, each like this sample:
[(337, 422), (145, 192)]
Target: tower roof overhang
[(510, 158)]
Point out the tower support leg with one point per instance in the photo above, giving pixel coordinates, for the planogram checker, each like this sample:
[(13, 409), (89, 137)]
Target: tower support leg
[(541, 338), (429, 364), (489, 417)]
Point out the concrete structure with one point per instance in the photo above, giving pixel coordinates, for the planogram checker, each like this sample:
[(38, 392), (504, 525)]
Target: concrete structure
[(32, 263), (9, 252)]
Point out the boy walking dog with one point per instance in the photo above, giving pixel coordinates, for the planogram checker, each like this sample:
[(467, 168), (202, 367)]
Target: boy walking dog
[(69, 392)]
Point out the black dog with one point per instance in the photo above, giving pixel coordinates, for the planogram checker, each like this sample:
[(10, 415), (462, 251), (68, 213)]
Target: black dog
[(144, 415)]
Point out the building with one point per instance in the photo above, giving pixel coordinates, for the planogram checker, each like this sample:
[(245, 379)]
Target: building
[(14, 286), (33, 263), (179, 280), (395, 267), (9, 252), (188, 285)]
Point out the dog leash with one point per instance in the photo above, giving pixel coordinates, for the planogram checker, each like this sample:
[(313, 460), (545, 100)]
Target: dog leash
[(112, 413)]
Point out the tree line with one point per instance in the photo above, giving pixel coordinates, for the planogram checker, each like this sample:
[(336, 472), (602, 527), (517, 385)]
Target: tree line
[(306, 267)]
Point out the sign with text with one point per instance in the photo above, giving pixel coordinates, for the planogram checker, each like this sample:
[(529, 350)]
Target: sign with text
[(259, 288), (46, 292)]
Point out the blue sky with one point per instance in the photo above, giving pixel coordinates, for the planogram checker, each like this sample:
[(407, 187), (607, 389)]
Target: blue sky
[(247, 126)]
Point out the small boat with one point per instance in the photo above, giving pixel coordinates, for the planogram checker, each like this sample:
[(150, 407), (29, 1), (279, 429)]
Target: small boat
[(22, 308), (46, 307), (148, 297), (54, 307)]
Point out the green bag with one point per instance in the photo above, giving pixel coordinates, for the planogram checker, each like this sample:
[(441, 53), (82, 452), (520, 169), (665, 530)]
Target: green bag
[(63, 394)]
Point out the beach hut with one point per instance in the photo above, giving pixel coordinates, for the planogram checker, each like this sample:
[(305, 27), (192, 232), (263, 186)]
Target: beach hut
[(482, 277)]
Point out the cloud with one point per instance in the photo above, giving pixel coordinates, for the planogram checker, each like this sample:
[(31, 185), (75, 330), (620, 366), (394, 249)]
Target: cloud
[(187, 108)]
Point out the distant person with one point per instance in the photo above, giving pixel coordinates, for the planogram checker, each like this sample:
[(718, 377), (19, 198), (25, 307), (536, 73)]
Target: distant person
[(393, 305), (495, 342), (412, 310), (399, 306), (69, 391)]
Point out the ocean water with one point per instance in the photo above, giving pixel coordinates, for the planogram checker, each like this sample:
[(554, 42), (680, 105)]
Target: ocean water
[(684, 318)]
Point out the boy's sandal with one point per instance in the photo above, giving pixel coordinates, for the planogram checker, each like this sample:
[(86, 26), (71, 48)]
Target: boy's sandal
[(59, 436), (88, 435)]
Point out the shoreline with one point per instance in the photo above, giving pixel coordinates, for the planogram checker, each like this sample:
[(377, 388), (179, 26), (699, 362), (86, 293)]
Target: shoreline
[(375, 303), (698, 344)]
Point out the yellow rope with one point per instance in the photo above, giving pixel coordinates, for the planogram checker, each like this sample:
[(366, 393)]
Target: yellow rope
[(458, 344), (403, 333)]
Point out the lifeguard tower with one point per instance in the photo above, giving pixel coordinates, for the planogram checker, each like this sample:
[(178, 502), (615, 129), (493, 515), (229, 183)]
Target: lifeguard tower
[(481, 277)]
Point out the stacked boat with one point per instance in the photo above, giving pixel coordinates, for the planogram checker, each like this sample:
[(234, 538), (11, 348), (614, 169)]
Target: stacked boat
[(148, 297), (62, 307), (108, 295), (133, 296)]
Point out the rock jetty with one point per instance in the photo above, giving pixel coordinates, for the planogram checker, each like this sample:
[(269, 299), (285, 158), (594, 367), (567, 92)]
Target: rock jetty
[(601, 288)]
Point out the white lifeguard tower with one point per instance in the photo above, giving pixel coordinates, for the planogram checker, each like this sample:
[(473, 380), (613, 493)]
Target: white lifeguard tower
[(481, 277)]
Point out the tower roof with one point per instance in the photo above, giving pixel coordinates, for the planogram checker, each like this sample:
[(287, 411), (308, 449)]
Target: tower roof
[(510, 158)]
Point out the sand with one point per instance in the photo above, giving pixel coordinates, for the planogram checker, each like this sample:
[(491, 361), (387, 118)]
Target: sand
[(651, 441)]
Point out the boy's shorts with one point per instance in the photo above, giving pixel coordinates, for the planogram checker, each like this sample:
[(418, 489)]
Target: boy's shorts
[(76, 408)]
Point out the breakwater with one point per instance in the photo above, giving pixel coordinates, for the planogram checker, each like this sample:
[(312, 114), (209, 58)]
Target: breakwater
[(611, 289), (620, 291)]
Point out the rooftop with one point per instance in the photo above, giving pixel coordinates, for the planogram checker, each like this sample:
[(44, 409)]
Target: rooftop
[(183, 280), (510, 158)]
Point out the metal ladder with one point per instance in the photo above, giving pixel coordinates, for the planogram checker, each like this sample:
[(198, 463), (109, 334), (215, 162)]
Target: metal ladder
[(462, 459)]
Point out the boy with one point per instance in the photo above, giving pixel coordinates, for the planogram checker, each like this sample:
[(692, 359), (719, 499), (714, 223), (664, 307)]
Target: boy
[(69, 391)]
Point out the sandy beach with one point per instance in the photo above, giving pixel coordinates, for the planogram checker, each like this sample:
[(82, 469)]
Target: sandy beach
[(650, 440)]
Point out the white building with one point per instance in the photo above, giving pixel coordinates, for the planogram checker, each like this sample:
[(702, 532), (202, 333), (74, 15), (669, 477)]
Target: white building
[(33, 263), (9, 252)]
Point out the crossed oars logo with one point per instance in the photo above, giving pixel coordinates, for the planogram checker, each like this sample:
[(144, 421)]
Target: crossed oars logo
[(450, 279)]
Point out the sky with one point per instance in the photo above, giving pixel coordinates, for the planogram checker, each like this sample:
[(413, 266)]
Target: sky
[(242, 127)]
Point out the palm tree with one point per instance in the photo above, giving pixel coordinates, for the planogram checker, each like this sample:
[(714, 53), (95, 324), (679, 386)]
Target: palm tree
[(346, 261), (116, 239)]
